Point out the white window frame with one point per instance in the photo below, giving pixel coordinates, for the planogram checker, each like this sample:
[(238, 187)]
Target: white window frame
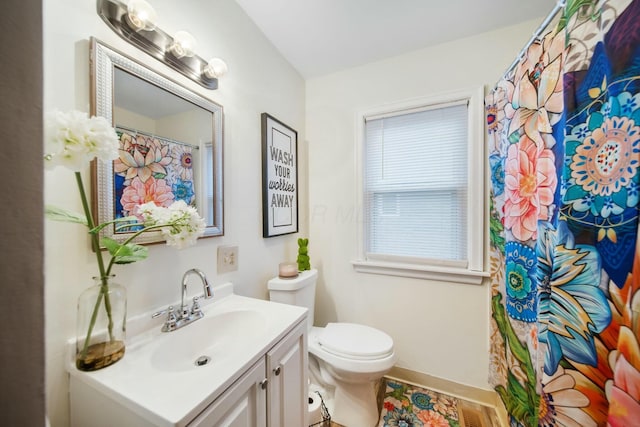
[(476, 269)]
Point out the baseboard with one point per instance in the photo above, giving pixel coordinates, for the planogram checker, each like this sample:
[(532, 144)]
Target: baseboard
[(462, 391), (501, 412)]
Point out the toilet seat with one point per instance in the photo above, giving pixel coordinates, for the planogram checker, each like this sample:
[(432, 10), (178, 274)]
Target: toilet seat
[(354, 341), (346, 362)]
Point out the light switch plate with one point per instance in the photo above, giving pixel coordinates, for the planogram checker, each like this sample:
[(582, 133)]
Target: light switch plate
[(227, 259)]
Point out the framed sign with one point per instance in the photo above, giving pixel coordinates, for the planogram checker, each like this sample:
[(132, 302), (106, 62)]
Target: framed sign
[(279, 178)]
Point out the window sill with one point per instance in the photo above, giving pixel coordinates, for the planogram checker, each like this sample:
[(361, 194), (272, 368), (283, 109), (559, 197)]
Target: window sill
[(444, 274)]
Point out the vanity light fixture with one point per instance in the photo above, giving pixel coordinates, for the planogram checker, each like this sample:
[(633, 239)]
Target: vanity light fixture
[(141, 16), (184, 44), (135, 22), (215, 68)]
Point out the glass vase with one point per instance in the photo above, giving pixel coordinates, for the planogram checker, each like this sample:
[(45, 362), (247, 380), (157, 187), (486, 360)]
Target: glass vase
[(101, 325)]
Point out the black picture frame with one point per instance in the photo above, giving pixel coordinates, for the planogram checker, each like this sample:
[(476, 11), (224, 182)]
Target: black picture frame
[(279, 177)]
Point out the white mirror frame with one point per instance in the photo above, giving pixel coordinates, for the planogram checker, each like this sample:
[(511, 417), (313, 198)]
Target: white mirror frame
[(103, 61)]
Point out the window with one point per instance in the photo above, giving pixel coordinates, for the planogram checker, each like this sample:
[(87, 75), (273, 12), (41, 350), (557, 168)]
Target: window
[(422, 189)]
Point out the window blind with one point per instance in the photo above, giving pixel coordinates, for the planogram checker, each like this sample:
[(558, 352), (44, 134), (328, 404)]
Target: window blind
[(415, 184)]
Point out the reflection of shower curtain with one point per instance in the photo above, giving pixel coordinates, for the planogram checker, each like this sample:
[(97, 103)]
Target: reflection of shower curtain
[(564, 152)]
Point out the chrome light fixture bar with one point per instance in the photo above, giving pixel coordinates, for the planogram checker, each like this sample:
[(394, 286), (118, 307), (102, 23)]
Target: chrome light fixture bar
[(135, 23)]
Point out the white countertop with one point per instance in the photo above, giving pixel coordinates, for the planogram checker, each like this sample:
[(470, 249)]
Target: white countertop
[(173, 396)]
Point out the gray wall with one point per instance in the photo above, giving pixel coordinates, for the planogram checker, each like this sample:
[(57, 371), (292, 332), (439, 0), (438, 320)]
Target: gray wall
[(22, 400)]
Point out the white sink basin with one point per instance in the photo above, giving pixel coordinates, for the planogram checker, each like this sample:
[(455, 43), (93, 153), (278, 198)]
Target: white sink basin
[(158, 378), (211, 340)]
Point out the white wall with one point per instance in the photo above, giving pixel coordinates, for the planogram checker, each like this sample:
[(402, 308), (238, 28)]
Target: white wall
[(440, 329), (259, 80), (126, 118)]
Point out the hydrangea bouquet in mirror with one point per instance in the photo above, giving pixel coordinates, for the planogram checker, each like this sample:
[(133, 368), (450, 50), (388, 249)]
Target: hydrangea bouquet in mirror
[(73, 140)]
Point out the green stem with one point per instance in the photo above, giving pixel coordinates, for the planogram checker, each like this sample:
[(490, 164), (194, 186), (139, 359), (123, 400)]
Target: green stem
[(129, 239), (94, 315), (104, 289), (94, 238), (104, 273), (104, 277)]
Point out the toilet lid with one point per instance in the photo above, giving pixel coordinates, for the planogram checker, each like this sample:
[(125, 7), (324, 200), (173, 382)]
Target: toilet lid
[(355, 341)]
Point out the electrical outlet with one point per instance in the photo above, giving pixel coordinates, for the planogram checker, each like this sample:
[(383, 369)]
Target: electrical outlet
[(227, 259)]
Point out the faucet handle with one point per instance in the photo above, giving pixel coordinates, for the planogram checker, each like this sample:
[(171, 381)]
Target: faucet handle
[(161, 312), (195, 307), (170, 323)]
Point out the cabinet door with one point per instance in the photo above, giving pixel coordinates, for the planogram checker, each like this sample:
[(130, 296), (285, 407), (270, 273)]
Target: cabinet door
[(242, 405), (287, 372)]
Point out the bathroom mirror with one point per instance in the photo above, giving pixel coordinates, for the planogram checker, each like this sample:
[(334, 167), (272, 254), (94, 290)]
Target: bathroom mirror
[(171, 142)]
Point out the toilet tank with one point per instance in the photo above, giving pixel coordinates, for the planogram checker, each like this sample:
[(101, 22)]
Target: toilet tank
[(300, 291)]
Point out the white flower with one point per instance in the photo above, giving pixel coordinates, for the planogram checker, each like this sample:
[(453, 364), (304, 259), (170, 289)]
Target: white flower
[(73, 139), (181, 225), (187, 225), (150, 212)]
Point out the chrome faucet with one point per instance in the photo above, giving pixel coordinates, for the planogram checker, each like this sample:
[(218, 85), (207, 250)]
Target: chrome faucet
[(185, 316), (208, 292)]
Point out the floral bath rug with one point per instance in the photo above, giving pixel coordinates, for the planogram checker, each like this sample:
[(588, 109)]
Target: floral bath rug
[(406, 405)]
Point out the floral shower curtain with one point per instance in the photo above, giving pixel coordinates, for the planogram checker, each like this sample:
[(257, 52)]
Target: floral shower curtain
[(564, 151)]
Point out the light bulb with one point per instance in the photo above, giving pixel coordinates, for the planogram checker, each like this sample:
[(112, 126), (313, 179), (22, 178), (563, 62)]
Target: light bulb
[(184, 44), (215, 68), (141, 16)]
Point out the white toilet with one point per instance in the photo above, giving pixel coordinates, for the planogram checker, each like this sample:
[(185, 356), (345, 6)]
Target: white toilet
[(348, 357)]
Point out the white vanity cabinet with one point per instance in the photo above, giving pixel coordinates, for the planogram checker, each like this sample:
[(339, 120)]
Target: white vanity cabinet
[(257, 375), (272, 393)]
